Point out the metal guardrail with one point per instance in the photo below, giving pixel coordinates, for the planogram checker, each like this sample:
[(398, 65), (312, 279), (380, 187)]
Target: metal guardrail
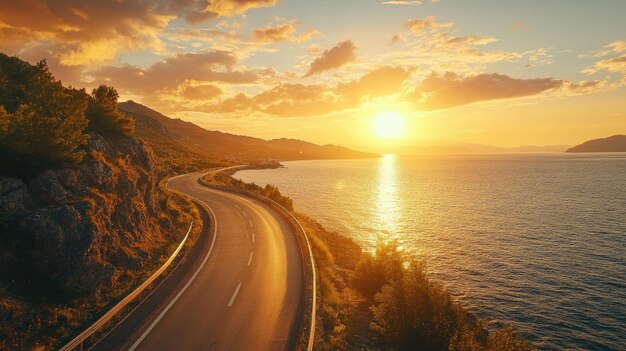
[(87, 333), (311, 338), (314, 307)]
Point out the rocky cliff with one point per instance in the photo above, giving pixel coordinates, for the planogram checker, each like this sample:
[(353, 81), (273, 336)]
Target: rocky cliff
[(75, 230), (78, 237)]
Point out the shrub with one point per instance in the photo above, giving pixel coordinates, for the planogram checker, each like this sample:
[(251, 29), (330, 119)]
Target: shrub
[(413, 313), (374, 271)]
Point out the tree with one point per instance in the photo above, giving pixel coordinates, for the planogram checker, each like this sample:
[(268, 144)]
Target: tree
[(42, 123), (104, 116)]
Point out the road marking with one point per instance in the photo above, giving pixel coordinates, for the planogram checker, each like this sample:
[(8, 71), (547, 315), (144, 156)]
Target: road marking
[(232, 299), (167, 308), (250, 259), (253, 237)]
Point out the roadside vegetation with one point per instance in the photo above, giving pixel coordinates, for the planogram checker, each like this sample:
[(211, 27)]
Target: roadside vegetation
[(225, 179), (383, 300)]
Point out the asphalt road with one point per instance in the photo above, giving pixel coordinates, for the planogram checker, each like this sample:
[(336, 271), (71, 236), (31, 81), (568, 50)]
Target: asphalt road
[(239, 288)]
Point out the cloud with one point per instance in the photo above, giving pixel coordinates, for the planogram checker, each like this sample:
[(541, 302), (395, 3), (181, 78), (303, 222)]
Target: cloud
[(212, 66), (271, 34), (616, 47), (470, 40), (441, 91), (380, 82), (302, 100), (198, 11), (429, 43), (339, 55), (200, 92), (616, 64), (235, 7), (416, 26), (397, 38), (96, 32), (583, 86), (282, 32), (87, 32)]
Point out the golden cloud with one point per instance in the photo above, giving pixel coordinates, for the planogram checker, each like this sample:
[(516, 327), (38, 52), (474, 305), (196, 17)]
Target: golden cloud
[(301, 100), (616, 64), (235, 7), (95, 32), (211, 66), (282, 32), (200, 92), (416, 26), (441, 91), (335, 57)]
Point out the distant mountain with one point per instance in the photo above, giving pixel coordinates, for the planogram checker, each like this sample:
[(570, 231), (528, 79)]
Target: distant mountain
[(615, 143), (186, 136), (470, 149)]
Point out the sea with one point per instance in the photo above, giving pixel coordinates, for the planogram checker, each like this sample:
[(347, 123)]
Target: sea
[(538, 240)]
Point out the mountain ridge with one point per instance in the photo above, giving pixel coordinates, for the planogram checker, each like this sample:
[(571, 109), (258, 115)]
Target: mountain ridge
[(232, 148)]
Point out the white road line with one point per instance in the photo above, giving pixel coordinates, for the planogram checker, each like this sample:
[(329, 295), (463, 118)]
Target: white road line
[(232, 299), (250, 222), (167, 308), (253, 237), (250, 259)]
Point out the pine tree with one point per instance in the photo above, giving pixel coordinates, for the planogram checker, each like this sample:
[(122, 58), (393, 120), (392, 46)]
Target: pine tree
[(42, 123), (104, 116)]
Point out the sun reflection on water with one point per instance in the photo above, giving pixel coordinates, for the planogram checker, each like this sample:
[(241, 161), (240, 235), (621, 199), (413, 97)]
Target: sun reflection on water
[(388, 205)]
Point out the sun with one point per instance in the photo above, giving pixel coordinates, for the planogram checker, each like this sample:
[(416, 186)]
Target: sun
[(388, 125)]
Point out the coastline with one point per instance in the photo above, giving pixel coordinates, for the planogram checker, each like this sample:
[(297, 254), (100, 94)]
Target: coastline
[(346, 316)]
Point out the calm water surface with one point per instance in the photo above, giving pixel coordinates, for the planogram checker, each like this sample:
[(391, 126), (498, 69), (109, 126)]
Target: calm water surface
[(539, 240)]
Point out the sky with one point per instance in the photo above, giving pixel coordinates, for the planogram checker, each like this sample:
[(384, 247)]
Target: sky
[(503, 73)]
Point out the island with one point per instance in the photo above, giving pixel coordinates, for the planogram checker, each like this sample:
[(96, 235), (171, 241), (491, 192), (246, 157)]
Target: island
[(615, 143)]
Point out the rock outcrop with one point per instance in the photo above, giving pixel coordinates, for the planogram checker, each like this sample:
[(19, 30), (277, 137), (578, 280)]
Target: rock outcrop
[(73, 231)]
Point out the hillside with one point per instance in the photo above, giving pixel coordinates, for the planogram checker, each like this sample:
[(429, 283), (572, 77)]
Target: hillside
[(173, 156), (83, 217), (615, 143), (225, 147)]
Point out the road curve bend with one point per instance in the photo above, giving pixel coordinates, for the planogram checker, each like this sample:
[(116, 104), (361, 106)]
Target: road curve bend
[(238, 288)]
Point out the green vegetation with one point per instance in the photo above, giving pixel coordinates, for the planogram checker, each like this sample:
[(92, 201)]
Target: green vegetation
[(104, 117), (270, 191), (41, 122), (409, 309)]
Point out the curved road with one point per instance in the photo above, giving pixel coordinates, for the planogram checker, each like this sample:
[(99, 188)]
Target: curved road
[(239, 288)]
